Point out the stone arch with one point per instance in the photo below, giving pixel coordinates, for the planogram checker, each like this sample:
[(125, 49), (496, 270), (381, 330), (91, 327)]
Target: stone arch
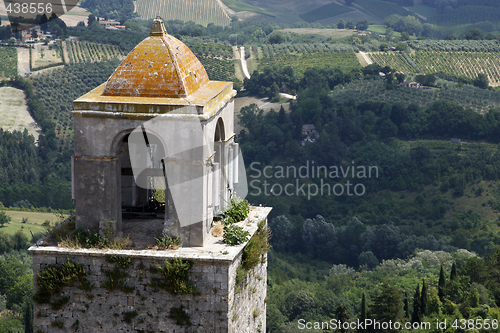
[(220, 131), (135, 200)]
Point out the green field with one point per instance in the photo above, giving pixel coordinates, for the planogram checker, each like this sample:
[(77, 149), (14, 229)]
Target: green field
[(423, 10), (300, 62), (199, 11), (382, 9), (480, 100), (458, 63), (81, 51), (325, 12), (8, 63), (391, 59), (381, 29), (468, 64), (218, 69), (35, 220), (240, 6)]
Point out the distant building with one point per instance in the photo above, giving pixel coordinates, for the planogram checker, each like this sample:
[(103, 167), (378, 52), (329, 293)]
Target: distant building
[(310, 131), (455, 140), (411, 84), (28, 38), (109, 23)]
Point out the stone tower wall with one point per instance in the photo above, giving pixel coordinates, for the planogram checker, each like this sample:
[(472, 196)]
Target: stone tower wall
[(219, 307)]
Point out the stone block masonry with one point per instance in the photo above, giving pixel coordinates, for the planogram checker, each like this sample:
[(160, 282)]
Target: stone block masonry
[(136, 305)]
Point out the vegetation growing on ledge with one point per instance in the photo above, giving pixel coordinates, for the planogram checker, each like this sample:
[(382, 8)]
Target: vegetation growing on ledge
[(234, 235), (67, 235), (254, 251), (116, 275), (237, 211), (123, 262), (166, 241), (52, 279), (174, 277)]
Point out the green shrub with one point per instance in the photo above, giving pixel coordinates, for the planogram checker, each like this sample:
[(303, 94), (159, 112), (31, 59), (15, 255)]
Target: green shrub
[(52, 279), (234, 235), (256, 247), (254, 251), (237, 211), (168, 241), (175, 277)]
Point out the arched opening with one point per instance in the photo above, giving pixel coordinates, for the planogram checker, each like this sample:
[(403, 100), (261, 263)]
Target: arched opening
[(142, 189), (220, 134), (219, 166)]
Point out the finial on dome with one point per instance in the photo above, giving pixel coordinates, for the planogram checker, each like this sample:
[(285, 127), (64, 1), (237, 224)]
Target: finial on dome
[(157, 28)]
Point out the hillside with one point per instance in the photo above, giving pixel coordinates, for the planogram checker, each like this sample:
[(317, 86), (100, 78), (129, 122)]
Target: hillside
[(326, 11), (201, 12)]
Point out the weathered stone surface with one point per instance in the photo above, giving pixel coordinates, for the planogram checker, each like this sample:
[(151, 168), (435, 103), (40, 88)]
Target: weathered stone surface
[(220, 306)]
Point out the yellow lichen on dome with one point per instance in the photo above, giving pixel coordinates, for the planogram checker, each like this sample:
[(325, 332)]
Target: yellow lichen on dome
[(160, 66)]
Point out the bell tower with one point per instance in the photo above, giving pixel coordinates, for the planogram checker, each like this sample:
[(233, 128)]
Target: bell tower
[(155, 143), (154, 151)]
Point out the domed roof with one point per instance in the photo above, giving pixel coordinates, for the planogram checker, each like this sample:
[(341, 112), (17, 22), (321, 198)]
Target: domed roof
[(159, 66)]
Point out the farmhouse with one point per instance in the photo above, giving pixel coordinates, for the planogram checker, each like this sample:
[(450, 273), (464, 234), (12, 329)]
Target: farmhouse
[(411, 84)]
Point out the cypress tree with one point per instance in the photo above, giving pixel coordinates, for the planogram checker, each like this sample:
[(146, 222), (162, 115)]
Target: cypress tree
[(406, 306), (282, 115), (424, 299), (363, 308), (417, 315), (441, 284), (363, 315), (28, 318), (453, 273)]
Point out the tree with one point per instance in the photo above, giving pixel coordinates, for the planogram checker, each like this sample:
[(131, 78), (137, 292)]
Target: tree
[(406, 306), (367, 258), (349, 25), (282, 115), (362, 25), (482, 81), (341, 24), (388, 305), (441, 284), (474, 34), (388, 129), (250, 115), (276, 38), (405, 36), (401, 47), (401, 77), (90, 20), (4, 218), (424, 299), (342, 315), (363, 314), (453, 273), (28, 318), (426, 80), (417, 314), (43, 22)]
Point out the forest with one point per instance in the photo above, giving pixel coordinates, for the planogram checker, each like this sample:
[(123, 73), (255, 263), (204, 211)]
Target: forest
[(418, 210)]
